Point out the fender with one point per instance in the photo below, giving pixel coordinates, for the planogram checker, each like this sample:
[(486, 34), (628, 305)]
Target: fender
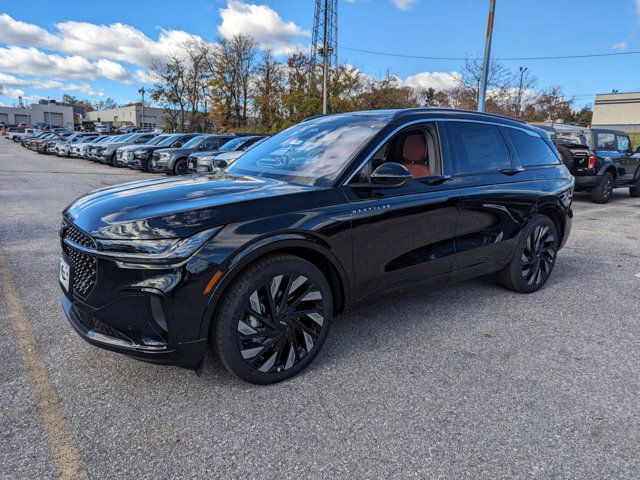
[(262, 246), (609, 163), (551, 203)]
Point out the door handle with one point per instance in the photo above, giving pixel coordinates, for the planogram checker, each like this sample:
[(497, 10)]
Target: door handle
[(437, 179), (510, 171)]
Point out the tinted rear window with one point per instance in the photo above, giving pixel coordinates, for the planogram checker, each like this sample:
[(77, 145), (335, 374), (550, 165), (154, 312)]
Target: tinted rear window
[(606, 141), (479, 147), (532, 150)]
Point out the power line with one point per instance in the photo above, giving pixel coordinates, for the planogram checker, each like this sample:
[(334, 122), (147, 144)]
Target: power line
[(551, 57)]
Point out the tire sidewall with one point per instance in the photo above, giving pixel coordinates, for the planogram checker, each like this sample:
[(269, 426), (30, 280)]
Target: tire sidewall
[(235, 302)]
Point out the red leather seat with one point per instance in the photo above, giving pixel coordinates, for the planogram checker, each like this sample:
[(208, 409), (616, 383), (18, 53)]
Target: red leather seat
[(414, 155)]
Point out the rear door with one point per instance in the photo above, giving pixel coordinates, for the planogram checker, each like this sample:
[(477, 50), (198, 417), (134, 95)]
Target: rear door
[(628, 162), (495, 197)]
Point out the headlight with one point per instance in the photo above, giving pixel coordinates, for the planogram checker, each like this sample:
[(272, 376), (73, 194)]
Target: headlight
[(205, 160), (164, 253), (163, 156)]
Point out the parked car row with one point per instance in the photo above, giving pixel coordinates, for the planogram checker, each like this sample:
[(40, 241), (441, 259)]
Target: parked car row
[(172, 154)]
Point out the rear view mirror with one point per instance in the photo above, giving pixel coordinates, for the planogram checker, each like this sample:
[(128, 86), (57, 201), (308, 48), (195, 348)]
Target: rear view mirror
[(391, 175)]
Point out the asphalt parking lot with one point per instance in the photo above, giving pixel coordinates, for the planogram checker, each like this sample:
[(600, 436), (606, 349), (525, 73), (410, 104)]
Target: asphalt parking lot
[(469, 381)]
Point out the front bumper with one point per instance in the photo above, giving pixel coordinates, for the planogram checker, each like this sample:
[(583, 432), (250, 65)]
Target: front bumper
[(88, 325), (160, 166)]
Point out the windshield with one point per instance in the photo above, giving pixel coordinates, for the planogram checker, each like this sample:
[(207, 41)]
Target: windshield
[(156, 140), (168, 141), (233, 145), (195, 141), (313, 152)]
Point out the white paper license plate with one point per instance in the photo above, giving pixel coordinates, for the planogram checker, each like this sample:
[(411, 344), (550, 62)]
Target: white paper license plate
[(65, 273)]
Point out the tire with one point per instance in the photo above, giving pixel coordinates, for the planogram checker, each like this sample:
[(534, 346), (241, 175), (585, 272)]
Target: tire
[(534, 257), (602, 193), (180, 167), (286, 344), (634, 191), (567, 156)]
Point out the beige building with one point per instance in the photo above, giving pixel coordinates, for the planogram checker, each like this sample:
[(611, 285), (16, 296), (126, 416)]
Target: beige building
[(620, 111), (129, 115)]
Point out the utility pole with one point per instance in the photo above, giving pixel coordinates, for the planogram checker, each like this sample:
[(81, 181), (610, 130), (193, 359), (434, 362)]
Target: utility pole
[(324, 43), (141, 92), (49, 105), (487, 57), (522, 70)]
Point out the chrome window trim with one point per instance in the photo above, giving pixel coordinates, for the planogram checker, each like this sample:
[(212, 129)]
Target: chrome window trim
[(425, 120)]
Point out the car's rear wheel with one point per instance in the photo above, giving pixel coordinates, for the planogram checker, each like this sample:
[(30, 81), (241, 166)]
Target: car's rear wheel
[(273, 320), (634, 191), (602, 193), (534, 257), (180, 168)]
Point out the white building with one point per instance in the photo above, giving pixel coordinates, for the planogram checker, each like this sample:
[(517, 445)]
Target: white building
[(129, 115), (54, 114)]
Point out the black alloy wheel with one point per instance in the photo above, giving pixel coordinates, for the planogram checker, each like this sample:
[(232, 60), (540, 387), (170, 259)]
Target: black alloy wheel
[(274, 319), (181, 167), (534, 257), (538, 255), (602, 193)]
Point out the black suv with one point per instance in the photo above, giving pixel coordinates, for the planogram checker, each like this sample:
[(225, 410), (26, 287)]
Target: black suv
[(333, 212), (600, 159)]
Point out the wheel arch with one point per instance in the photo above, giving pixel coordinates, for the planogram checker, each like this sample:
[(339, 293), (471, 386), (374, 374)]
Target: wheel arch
[(306, 247), (554, 211)]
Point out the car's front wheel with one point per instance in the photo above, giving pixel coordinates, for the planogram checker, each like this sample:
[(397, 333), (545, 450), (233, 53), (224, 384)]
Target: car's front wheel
[(180, 168), (534, 257), (273, 319), (634, 190)]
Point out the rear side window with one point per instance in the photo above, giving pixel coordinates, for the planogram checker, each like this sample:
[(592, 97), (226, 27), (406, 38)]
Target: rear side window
[(531, 149), (478, 147), (623, 143), (607, 141)]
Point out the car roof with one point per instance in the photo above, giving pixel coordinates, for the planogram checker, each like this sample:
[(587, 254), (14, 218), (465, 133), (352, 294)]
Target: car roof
[(436, 112)]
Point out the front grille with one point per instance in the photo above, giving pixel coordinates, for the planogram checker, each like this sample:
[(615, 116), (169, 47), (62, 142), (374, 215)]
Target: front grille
[(92, 323), (85, 266)]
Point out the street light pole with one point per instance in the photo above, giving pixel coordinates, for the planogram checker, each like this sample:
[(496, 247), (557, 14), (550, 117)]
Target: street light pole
[(487, 57), (522, 70), (49, 105), (141, 92)]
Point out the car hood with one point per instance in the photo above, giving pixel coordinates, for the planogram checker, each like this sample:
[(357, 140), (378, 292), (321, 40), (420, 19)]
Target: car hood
[(205, 153), (179, 206), (179, 152)]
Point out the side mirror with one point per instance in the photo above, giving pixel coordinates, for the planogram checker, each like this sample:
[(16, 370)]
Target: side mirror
[(391, 175), (178, 145)]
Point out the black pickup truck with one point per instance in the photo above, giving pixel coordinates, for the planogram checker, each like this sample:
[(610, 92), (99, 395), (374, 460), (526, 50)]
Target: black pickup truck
[(599, 159)]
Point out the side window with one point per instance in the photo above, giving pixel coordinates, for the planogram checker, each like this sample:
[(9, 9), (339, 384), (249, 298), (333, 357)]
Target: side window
[(211, 144), (623, 143), (531, 149), (479, 148), (415, 147), (606, 141)]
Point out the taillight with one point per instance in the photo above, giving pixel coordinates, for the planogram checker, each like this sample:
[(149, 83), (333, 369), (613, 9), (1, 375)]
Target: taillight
[(591, 163)]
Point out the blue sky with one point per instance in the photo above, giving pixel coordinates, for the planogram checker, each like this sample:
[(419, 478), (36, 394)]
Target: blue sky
[(103, 49)]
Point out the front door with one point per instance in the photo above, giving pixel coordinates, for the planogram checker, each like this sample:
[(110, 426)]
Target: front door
[(404, 235), (628, 161)]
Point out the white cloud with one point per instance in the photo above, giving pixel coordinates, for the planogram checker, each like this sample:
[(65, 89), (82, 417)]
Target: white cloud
[(15, 32), (13, 92), (31, 61), (437, 80), (263, 23), (620, 46), (407, 4), (41, 83)]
